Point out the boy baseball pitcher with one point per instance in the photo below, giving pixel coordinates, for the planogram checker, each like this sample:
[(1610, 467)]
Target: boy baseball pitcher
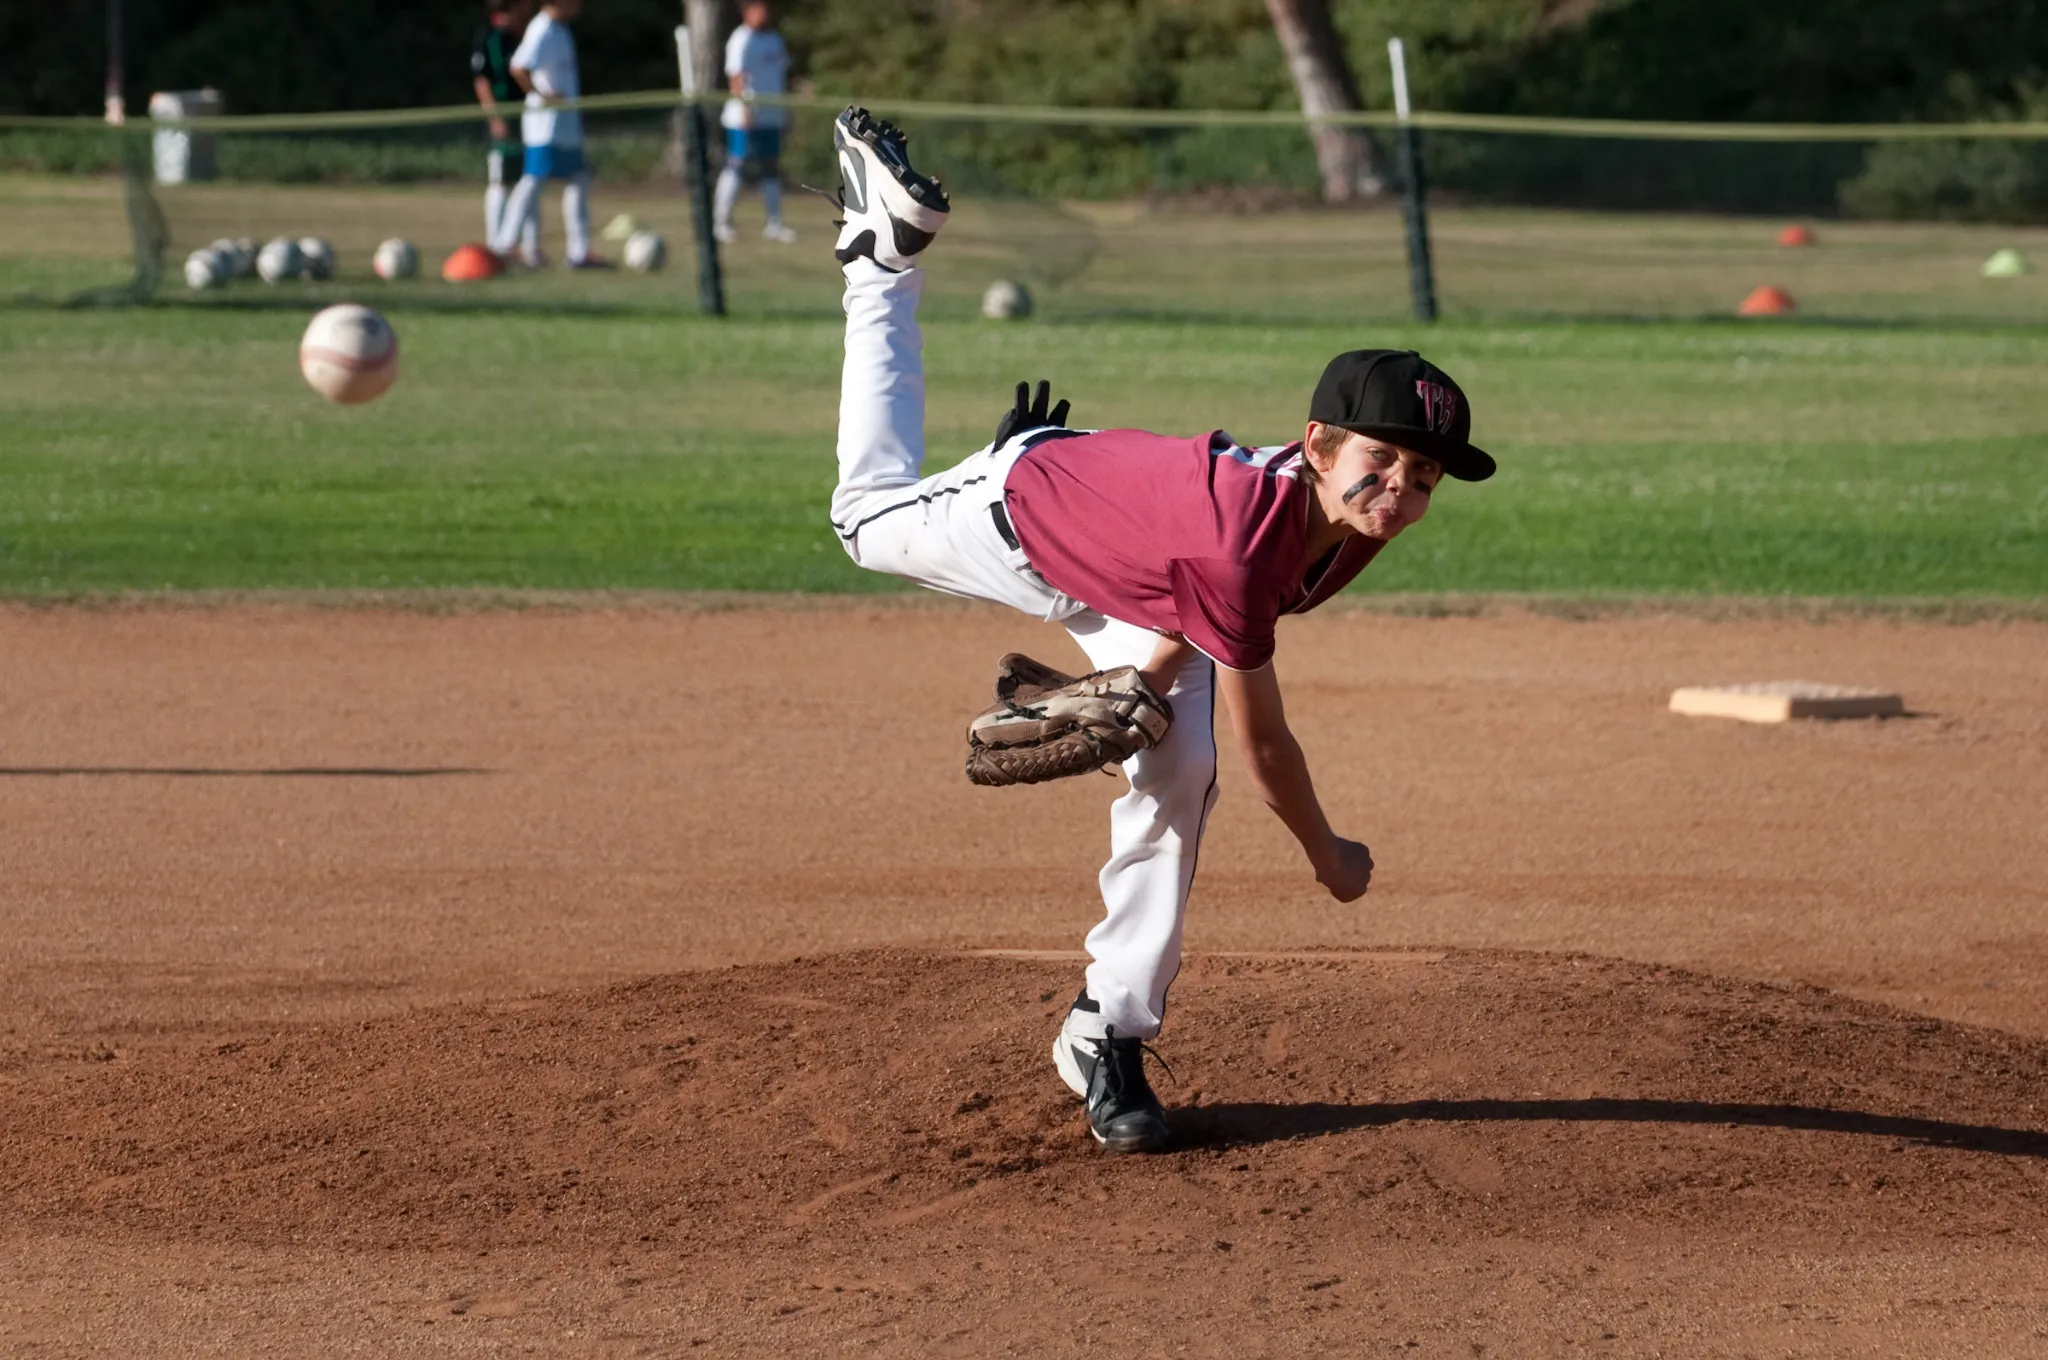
[(1169, 559)]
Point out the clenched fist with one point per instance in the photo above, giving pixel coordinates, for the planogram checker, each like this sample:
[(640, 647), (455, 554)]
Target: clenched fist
[(1346, 870)]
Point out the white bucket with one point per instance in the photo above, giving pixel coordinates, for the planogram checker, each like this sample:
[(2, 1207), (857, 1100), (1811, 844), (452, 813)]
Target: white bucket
[(181, 155)]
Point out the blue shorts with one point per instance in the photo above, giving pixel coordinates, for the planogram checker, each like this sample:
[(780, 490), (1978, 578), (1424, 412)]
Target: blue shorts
[(762, 146), (554, 162)]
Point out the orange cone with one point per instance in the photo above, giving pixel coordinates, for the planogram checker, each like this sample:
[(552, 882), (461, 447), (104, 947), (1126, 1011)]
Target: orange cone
[(1767, 301), (1796, 235), (470, 263)]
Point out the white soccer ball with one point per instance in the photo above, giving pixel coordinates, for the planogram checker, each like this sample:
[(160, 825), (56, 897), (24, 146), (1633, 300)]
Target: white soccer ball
[(318, 257), (349, 354), (1006, 301), (646, 251), (206, 268), (396, 259), (238, 264), (280, 260)]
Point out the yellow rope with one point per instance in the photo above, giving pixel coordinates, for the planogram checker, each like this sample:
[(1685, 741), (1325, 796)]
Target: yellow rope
[(1505, 124)]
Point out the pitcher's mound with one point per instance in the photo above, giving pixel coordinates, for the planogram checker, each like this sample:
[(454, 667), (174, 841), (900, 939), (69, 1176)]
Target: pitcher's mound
[(760, 1110)]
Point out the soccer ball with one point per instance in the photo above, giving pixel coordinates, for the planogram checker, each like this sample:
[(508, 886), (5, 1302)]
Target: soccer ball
[(396, 259), (236, 263), (206, 268), (646, 251), (280, 260), (349, 354), (1006, 301), (318, 257)]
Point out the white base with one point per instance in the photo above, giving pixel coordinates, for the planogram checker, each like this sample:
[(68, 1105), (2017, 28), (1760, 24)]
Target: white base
[(1776, 701)]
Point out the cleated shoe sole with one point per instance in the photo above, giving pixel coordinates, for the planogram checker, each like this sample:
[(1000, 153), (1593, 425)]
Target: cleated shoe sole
[(892, 212)]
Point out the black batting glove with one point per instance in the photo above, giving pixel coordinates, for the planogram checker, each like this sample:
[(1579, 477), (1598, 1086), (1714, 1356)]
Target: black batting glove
[(1031, 413)]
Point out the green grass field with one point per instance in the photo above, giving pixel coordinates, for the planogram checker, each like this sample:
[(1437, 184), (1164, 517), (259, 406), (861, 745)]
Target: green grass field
[(556, 447)]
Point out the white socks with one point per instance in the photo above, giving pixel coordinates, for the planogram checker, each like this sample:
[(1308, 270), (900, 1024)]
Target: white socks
[(727, 195), (576, 217), (496, 199), (518, 217)]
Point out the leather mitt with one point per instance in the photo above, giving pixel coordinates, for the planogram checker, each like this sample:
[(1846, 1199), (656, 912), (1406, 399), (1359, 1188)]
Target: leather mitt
[(1048, 725)]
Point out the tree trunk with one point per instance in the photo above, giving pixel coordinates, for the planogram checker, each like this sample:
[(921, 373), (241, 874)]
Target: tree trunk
[(1322, 77), (711, 23)]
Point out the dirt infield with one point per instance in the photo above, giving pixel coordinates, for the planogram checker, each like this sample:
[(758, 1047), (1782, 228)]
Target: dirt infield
[(617, 983)]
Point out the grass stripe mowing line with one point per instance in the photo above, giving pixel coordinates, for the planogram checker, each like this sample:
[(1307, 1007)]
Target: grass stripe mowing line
[(178, 448)]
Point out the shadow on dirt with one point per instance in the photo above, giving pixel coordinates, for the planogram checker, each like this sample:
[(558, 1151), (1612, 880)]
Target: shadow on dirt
[(206, 772), (1238, 1125)]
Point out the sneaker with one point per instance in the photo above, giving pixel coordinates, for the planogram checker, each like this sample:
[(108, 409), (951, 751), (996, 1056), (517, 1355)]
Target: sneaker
[(1109, 1076), (779, 234), (892, 212), (591, 262), (724, 234), (531, 257)]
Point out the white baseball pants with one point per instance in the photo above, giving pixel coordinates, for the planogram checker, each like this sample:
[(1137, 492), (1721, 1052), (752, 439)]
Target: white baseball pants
[(940, 531), (497, 193), (521, 216)]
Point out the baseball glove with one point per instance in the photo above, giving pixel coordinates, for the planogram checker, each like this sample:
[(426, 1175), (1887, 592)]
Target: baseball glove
[(1048, 725)]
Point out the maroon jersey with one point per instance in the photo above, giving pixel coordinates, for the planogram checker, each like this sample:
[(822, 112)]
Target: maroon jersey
[(1200, 537)]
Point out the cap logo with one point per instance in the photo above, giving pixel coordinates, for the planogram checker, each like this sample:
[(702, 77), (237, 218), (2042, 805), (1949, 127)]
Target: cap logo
[(1439, 405)]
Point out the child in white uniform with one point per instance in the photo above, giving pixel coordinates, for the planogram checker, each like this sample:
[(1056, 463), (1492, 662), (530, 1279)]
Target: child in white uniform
[(545, 67), (756, 63)]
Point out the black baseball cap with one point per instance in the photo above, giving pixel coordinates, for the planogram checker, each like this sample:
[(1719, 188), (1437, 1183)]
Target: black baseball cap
[(1401, 397)]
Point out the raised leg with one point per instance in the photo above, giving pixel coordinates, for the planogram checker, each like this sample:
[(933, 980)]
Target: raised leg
[(881, 392), (938, 531)]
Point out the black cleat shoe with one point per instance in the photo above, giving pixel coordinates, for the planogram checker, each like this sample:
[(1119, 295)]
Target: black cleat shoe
[(892, 212), (1109, 1076)]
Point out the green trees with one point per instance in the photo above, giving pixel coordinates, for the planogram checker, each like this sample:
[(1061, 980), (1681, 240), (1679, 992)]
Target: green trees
[(1735, 60)]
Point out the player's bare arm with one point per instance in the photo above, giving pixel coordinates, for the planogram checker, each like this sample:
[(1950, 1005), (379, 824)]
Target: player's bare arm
[(499, 128), (1168, 657), (1279, 771)]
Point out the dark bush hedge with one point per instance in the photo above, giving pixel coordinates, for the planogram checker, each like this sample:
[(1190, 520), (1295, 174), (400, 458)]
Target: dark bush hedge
[(1726, 60)]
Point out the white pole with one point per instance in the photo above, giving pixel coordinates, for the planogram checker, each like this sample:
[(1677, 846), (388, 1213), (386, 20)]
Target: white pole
[(1414, 207), (1397, 56), (686, 61)]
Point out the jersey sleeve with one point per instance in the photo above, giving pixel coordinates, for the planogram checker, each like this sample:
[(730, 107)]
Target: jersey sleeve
[(736, 50), (527, 56), (1223, 611), (480, 54)]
